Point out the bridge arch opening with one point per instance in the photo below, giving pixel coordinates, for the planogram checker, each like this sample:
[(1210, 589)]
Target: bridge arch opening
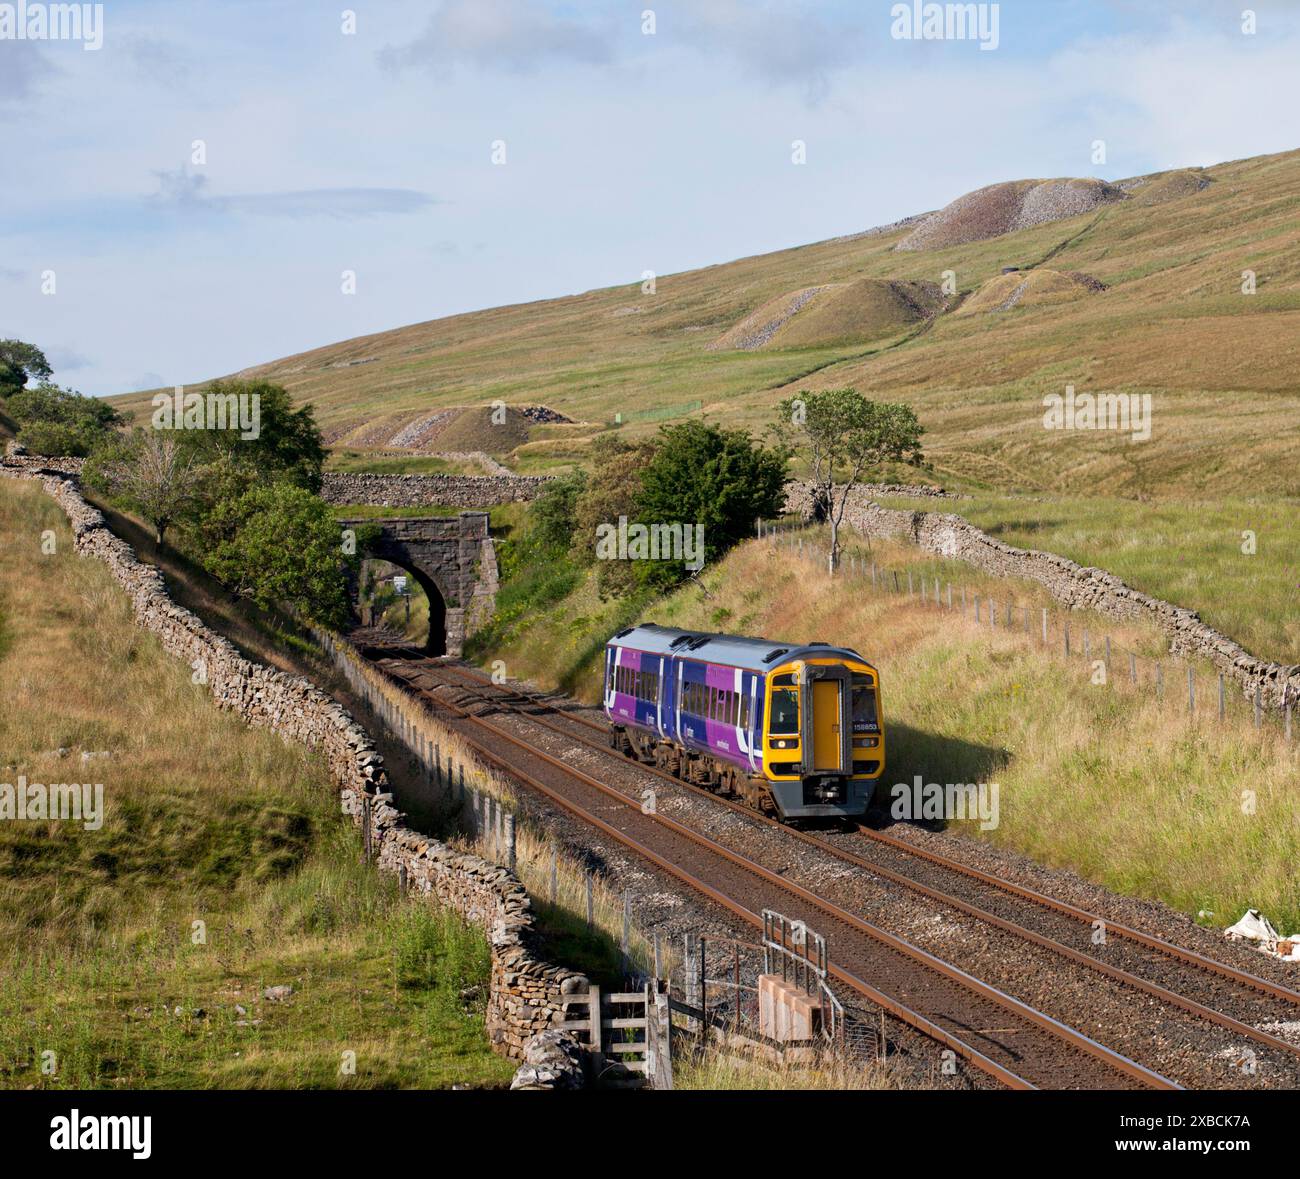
[(419, 613)]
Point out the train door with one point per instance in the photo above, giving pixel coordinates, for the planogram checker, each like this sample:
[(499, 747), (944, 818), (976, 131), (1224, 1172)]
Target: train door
[(827, 741)]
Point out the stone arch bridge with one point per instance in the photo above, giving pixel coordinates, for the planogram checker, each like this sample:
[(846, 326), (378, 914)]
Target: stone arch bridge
[(451, 558)]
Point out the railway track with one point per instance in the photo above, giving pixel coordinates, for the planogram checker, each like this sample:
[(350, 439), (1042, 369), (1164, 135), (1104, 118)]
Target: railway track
[(596, 737), (1200, 978), (1010, 1041)]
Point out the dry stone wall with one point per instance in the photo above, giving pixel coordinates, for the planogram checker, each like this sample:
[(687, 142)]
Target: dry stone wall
[(413, 491), (1073, 585), (527, 993)]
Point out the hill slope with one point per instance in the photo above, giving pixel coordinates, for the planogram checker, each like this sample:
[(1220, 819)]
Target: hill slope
[(1174, 323)]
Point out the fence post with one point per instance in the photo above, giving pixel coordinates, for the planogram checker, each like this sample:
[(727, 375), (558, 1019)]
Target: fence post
[(1087, 644), (591, 903), (664, 1018), (1067, 640), (659, 961), (1044, 626), (735, 979), (690, 950), (1160, 681), (593, 1013), (874, 584), (950, 595), (510, 842), (627, 930), (1191, 692), (1108, 656), (977, 607), (555, 875), (897, 584), (1259, 707), (1288, 713), (652, 1053), (1222, 702), (1132, 667)]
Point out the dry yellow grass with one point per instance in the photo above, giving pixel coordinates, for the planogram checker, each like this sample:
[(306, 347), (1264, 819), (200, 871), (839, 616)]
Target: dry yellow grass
[(1106, 780), (1220, 364), (205, 820)]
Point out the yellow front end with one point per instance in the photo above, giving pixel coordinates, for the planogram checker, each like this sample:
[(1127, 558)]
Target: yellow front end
[(807, 711)]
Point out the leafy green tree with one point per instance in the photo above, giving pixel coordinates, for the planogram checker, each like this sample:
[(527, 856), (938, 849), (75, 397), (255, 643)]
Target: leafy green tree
[(703, 474), (288, 442), (148, 473), (282, 546), (846, 436), (554, 512), (55, 421), (610, 492), (20, 363)]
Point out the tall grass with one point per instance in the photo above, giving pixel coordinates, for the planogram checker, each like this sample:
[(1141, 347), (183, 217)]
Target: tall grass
[(1106, 780), (222, 867)]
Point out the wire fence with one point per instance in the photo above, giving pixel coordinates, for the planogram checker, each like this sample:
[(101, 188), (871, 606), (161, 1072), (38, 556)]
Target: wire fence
[(1174, 681), (466, 805)]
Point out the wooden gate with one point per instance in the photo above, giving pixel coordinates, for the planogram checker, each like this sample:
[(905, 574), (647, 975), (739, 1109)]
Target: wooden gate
[(626, 1033)]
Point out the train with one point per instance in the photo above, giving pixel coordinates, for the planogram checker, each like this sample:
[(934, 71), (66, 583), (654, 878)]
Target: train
[(794, 731)]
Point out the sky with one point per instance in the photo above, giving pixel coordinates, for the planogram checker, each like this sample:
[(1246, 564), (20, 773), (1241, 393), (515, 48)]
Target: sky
[(188, 198)]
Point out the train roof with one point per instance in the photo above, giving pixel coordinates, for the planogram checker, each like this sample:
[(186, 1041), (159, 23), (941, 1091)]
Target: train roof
[(732, 650)]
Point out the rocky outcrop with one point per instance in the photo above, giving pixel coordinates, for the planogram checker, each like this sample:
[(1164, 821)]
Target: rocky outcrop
[(1073, 585), (411, 491), (527, 993)]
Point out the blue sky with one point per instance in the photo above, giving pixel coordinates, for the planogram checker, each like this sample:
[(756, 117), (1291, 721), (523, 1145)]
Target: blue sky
[(625, 152)]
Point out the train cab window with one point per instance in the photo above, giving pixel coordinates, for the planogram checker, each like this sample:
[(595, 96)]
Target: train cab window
[(865, 719), (785, 711)]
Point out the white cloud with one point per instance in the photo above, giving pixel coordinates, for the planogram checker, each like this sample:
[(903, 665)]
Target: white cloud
[(516, 36)]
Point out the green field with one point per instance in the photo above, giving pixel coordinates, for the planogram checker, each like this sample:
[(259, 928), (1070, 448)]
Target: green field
[(1106, 780), (205, 820)]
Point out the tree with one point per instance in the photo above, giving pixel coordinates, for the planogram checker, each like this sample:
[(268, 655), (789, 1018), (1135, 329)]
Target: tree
[(718, 479), (55, 421), (847, 435), (20, 363), (283, 547), (288, 440), (610, 492), (148, 472), (554, 512)]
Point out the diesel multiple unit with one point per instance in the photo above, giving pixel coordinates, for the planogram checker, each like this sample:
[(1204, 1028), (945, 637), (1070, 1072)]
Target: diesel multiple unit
[(791, 730)]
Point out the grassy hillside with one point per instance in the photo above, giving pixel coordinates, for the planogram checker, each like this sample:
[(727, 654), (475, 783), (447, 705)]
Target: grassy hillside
[(1188, 553), (205, 820), (1101, 779), (1219, 364)]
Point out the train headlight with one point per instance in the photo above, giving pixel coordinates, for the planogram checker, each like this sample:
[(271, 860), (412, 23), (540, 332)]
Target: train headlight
[(865, 742)]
